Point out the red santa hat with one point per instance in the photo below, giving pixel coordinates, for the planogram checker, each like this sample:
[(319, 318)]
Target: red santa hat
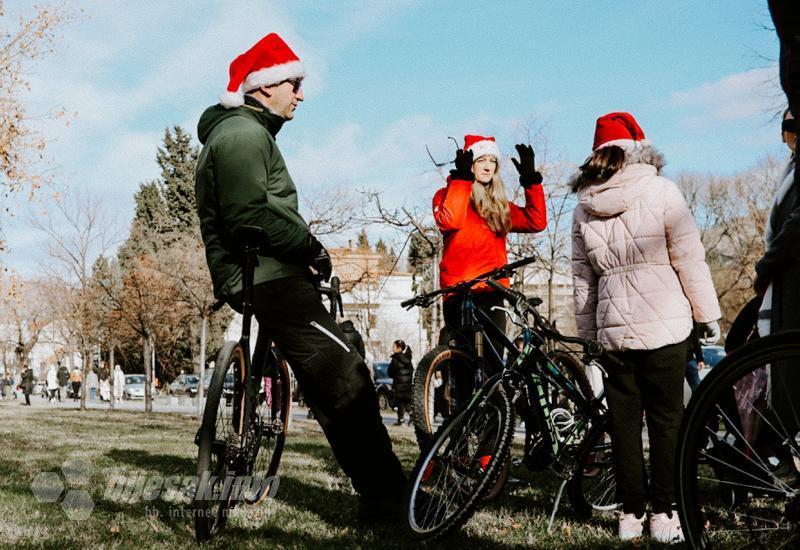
[(619, 129), (269, 62), (481, 146)]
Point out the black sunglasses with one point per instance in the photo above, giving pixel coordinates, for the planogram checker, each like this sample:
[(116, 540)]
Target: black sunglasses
[(789, 125), (295, 82)]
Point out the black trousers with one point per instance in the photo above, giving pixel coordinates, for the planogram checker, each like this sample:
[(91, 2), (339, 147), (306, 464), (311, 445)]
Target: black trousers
[(334, 380), (463, 381), (649, 381)]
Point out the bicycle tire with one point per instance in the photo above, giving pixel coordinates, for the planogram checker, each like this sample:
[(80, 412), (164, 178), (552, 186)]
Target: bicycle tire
[(441, 359), (705, 458), (484, 462), (272, 416), (214, 439), (593, 484)]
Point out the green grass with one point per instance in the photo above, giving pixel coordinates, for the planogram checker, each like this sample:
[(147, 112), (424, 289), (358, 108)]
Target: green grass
[(314, 507)]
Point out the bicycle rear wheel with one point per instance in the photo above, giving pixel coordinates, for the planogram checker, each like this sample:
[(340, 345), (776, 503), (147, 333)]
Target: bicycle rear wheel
[(463, 461), (433, 388), (217, 442), (271, 423), (738, 457)]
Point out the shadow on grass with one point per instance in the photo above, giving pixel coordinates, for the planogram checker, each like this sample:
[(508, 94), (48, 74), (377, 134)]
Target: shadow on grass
[(155, 463)]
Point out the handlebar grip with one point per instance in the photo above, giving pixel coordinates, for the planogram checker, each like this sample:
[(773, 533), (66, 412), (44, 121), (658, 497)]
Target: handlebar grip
[(521, 263), (408, 303), (512, 295)]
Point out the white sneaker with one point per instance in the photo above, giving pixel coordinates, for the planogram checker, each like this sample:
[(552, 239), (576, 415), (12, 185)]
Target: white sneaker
[(666, 529), (630, 527)]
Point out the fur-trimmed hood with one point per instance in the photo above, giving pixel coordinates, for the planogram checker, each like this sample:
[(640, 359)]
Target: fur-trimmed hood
[(615, 195)]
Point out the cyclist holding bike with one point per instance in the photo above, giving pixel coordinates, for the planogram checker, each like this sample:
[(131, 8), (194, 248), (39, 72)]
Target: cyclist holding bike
[(640, 279), (242, 180), (475, 217)]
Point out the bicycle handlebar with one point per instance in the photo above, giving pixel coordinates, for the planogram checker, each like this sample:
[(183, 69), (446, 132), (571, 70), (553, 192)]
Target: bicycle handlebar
[(424, 300)]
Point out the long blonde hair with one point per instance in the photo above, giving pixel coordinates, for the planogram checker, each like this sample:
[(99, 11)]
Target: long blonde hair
[(491, 204)]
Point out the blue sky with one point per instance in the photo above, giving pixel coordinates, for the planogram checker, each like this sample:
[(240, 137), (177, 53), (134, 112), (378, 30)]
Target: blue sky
[(387, 77)]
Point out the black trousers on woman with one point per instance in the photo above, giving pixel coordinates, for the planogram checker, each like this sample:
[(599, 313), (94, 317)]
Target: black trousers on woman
[(484, 301), (649, 381)]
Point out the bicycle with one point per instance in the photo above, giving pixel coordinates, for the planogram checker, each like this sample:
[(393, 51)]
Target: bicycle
[(452, 372), (467, 454), (246, 416), (738, 464)]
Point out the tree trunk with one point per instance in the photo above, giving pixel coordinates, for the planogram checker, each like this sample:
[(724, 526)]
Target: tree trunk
[(148, 404), (550, 292), (111, 371), (86, 366), (202, 355)]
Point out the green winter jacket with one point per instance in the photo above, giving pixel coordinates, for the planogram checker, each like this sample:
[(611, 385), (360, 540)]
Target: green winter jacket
[(242, 180)]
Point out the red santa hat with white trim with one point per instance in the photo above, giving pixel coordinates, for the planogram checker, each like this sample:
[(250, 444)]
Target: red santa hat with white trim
[(270, 61), (481, 146), (619, 129)]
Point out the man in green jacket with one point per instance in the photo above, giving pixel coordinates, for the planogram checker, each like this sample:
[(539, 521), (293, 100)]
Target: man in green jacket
[(242, 180)]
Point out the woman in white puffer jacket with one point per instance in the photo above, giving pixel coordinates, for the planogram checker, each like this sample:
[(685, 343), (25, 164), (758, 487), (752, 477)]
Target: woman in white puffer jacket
[(640, 280)]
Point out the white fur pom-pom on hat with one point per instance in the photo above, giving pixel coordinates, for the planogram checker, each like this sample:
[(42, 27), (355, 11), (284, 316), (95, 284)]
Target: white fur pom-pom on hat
[(270, 61)]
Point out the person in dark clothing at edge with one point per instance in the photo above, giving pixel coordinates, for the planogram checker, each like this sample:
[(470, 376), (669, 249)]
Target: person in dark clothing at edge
[(694, 359), (401, 370), (241, 180)]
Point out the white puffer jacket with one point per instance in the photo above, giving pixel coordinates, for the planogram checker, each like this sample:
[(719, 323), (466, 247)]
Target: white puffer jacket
[(638, 264)]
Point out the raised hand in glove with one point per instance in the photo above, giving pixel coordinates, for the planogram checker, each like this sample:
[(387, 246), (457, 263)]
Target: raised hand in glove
[(708, 333), (318, 258), (463, 169), (525, 166)]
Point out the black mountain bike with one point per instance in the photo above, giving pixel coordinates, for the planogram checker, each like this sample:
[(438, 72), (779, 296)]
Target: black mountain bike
[(468, 452), (246, 417), (739, 452), (451, 373)]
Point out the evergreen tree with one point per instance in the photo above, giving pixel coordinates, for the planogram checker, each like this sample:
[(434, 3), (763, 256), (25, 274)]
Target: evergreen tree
[(178, 160), (363, 240), (380, 247)]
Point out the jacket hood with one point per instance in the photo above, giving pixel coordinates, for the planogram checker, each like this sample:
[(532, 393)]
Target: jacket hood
[(252, 108), (617, 194)]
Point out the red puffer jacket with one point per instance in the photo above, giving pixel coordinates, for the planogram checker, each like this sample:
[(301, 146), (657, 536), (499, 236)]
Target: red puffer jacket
[(470, 247)]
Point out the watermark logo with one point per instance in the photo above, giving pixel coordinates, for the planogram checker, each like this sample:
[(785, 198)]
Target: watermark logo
[(67, 487)]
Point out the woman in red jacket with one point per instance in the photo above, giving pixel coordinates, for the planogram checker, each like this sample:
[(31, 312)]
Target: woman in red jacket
[(475, 217)]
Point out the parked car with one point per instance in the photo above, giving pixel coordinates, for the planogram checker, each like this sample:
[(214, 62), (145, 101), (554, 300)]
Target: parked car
[(712, 355), (383, 385), (380, 369), (184, 384), (227, 389), (134, 387)]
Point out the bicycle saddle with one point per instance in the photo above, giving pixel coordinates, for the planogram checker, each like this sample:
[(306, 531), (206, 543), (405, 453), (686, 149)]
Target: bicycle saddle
[(253, 237)]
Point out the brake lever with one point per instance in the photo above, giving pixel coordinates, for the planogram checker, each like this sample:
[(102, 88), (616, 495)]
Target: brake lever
[(511, 315)]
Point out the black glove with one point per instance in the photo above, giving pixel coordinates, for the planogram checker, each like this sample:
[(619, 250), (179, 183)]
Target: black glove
[(318, 258), (463, 169), (525, 166)]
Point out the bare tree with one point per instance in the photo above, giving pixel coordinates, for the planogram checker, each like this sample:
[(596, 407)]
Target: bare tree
[(77, 232), (26, 312), (731, 213), (22, 42)]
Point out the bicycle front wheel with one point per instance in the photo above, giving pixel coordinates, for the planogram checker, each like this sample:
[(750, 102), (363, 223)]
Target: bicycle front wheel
[(462, 463), (270, 425), (434, 388), (217, 442), (593, 486), (738, 457)]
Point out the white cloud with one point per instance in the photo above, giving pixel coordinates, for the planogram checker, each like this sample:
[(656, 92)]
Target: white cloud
[(736, 97)]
